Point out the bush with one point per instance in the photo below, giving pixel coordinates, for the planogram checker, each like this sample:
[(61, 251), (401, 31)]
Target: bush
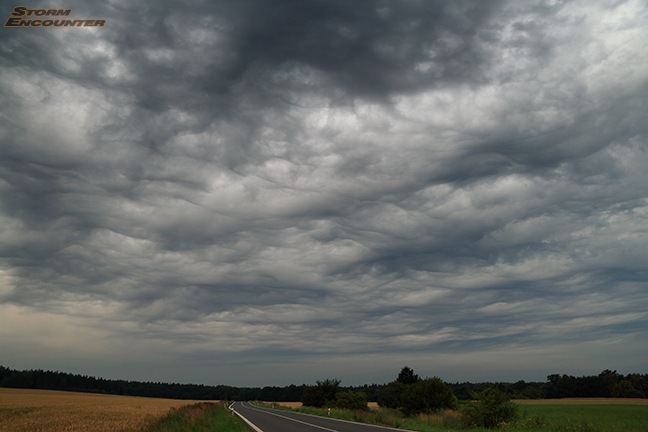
[(427, 396), (422, 396), (318, 395), (492, 408), (350, 400), (391, 395)]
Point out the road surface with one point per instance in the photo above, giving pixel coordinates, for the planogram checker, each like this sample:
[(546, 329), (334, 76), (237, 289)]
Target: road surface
[(271, 420)]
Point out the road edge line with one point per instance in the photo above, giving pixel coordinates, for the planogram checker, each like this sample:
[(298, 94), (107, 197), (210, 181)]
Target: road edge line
[(336, 419), (249, 423)]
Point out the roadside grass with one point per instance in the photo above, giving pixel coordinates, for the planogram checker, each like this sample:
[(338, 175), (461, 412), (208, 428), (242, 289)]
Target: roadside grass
[(561, 416), (200, 417), (442, 421)]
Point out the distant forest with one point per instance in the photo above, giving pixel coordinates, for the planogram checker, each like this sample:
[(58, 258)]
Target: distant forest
[(606, 384)]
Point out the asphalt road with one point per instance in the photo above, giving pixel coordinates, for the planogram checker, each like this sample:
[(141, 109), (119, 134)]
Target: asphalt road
[(271, 420)]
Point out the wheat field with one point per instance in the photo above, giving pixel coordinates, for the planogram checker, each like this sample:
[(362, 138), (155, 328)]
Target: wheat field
[(56, 411)]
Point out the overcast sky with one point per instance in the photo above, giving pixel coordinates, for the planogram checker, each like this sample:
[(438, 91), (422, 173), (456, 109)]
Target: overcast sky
[(263, 193)]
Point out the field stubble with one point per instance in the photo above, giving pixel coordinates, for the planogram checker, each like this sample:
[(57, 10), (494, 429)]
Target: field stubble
[(56, 411)]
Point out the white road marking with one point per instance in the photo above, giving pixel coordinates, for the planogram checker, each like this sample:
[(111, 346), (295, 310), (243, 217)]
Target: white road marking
[(292, 419)]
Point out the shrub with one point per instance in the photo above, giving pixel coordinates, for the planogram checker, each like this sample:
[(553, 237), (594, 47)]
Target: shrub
[(492, 408), (350, 400), (423, 396), (427, 396), (391, 395), (318, 395)]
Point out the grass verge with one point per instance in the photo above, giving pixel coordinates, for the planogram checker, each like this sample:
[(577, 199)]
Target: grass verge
[(443, 421), (200, 417)]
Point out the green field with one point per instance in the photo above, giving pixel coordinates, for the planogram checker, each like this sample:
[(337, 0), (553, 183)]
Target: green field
[(560, 415), (571, 416), (585, 417)]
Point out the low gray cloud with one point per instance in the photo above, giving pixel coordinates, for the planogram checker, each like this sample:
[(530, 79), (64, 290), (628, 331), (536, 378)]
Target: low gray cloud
[(257, 194)]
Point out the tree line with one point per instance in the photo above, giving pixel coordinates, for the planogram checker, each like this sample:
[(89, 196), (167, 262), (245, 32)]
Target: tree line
[(52, 380), (606, 384), (489, 405)]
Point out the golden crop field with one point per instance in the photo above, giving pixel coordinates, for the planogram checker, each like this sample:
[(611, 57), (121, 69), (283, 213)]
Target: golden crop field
[(56, 411), (287, 404)]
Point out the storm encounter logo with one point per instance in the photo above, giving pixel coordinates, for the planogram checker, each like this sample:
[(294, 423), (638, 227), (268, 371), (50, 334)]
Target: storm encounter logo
[(22, 16)]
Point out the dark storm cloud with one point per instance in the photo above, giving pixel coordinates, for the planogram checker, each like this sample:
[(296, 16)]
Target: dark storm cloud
[(323, 185)]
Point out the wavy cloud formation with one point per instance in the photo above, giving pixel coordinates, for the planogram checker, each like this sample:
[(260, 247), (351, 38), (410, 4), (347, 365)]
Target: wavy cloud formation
[(256, 194)]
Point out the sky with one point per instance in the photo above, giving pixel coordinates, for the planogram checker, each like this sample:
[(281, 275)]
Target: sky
[(258, 193)]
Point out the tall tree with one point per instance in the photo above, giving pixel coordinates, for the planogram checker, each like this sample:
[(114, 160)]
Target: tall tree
[(407, 376)]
